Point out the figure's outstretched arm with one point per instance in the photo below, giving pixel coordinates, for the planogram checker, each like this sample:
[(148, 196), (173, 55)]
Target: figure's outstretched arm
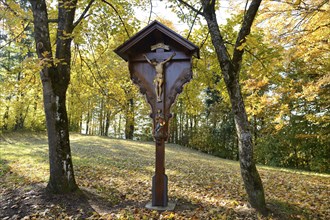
[(168, 59), (145, 56)]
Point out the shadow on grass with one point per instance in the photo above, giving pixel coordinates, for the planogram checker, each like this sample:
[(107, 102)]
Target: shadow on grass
[(102, 164), (4, 168), (20, 198), (35, 201), (283, 210)]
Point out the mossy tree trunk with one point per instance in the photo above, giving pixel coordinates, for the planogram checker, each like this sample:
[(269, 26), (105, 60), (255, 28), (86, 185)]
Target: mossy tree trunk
[(230, 68), (55, 77)]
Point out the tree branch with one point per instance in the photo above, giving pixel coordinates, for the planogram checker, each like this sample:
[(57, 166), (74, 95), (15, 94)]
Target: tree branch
[(183, 14), (246, 4), (191, 7), (243, 33), (52, 20), (150, 11), (16, 36), (204, 41), (92, 72), (82, 16), (14, 12), (193, 23), (249, 52), (118, 16)]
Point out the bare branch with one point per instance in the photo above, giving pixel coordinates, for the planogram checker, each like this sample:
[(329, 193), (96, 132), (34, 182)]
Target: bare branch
[(245, 8), (257, 58), (193, 23), (191, 7), (184, 14), (82, 16), (205, 39), (118, 16), (150, 11), (103, 92)]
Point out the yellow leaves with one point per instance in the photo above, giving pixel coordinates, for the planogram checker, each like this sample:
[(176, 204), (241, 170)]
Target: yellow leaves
[(256, 103), (302, 29), (280, 119), (45, 53), (115, 186), (297, 3), (305, 136), (255, 84), (324, 81), (310, 91), (59, 61), (171, 215), (66, 4), (251, 41), (65, 35), (241, 47)]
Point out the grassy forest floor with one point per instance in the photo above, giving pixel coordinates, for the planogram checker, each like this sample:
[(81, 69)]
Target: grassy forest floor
[(114, 177)]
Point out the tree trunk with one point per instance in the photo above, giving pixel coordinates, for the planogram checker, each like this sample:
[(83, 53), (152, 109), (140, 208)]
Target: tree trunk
[(55, 80), (255, 130), (119, 127), (5, 119), (87, 121), (250, 175), (174, 129), (19, 119), (107, 123), (230, 70), (80, 122), (129, 116), (101, 118), (61, 170)]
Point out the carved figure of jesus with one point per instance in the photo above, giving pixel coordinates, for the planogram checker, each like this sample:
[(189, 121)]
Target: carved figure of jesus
[(159, 77)]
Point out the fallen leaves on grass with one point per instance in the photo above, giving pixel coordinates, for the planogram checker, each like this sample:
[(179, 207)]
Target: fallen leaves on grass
[(115, 178)]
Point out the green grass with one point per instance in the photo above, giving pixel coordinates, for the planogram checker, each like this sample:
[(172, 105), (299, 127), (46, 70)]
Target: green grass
[(205, 186)]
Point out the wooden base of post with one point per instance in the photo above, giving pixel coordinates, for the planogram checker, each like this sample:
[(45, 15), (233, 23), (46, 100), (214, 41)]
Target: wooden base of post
[(159, 190), (159, 181)]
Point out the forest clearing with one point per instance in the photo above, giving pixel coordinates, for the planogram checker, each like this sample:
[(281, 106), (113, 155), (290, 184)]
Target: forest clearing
[(238, 90), (114, 177)]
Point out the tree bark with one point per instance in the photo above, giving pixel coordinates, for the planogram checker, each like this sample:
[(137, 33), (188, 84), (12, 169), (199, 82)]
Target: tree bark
[(55, 80), (230, 70), (88, 119), (101, 118), (129, 117), (107, 123)]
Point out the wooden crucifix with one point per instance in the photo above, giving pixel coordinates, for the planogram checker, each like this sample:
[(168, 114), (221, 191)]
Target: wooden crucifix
[(160, 64), (159, 77)]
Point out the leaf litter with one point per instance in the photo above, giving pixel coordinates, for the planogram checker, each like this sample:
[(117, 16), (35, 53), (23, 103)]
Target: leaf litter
[(114, 177)]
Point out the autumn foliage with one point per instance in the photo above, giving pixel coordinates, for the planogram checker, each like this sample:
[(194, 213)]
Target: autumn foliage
[(284, 80)]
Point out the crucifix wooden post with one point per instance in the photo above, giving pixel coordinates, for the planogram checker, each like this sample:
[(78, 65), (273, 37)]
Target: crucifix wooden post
[(160, 63), (160, 124)]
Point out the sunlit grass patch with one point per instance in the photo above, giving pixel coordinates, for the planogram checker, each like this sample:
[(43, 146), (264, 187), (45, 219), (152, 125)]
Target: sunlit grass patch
[(28, 158), (205, 186)]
